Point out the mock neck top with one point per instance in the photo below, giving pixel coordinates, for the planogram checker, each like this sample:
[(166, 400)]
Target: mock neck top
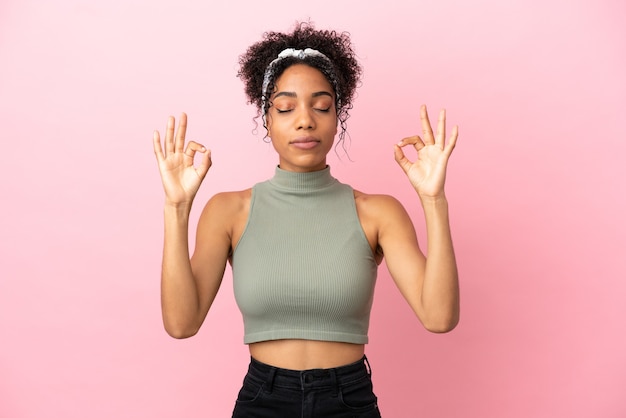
[(303, 268), (302, 182)]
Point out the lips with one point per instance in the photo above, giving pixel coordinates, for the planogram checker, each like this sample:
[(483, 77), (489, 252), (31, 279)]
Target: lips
[(305, 143)]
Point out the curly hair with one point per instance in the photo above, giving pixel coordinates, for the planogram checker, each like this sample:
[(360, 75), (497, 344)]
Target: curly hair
[(344, 75)]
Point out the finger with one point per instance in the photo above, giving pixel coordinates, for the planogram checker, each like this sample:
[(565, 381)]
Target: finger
[(169, 136), (401, 159), (180, 133), (156, 144), (415, 140), (426, 129), (441, 128), (192, 148), (205, 163), (451, 141)]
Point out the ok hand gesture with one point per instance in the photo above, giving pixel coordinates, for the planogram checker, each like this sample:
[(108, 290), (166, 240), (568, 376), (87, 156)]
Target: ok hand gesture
[(181, 179), (427, 174)]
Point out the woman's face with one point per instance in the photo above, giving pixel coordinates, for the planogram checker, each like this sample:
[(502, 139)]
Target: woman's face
[(302, 120)]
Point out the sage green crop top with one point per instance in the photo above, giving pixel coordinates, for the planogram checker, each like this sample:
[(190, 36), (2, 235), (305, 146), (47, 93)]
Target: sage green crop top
[(303, 268)]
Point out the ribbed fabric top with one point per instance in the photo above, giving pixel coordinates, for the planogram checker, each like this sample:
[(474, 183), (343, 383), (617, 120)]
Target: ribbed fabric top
[(303, 268)]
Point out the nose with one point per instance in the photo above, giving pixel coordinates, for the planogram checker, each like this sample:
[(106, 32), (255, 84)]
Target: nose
[(305, 118)]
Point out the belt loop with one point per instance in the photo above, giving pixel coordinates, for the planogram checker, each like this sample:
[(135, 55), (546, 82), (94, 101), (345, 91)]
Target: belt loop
[(333, 382), (270, 380), (368, 367)]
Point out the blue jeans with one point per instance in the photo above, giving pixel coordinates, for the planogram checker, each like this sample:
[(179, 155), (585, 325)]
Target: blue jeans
[(271, 392)]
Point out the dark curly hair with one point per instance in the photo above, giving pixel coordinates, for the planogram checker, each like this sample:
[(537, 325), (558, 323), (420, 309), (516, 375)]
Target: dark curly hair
[(344, 75)]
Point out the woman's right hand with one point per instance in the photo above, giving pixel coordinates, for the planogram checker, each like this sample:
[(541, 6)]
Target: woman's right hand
[(181, 179)]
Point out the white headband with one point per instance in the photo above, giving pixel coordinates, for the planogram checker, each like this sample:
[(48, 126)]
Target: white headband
[(287, 53)]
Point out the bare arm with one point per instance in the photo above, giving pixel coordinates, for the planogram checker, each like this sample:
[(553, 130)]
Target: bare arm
[(430, 284), (187, 291)]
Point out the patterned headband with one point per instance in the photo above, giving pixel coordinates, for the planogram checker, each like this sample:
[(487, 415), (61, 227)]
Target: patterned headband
[(299, 54)]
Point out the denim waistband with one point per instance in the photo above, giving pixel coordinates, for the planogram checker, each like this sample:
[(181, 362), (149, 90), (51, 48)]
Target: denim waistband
[(309, 379)]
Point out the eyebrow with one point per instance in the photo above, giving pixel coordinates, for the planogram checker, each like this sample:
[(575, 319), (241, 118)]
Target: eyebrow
[(293, 94)]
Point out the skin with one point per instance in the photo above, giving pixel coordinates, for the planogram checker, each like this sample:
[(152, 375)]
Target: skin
[(302, 124)]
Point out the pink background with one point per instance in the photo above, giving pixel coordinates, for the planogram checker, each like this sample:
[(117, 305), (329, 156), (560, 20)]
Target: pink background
[(536, 187)]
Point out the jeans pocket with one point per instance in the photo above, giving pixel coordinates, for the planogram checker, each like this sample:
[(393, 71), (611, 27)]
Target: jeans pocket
[(250, 391), (359, 395)]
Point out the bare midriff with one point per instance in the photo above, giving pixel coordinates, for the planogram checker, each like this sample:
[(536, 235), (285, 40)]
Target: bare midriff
[(306, 354)]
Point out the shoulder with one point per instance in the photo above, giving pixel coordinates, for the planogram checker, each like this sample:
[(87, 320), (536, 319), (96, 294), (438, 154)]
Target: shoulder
[(229, 200), (387, 218), (384, 220), (384, 213), (223, 219), (378, 205), (224, 207)]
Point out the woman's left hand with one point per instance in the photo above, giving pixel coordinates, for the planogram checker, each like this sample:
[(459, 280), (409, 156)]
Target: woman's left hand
[(427, 174)]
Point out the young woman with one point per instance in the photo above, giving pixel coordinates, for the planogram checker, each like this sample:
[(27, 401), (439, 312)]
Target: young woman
[(304, 248)]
